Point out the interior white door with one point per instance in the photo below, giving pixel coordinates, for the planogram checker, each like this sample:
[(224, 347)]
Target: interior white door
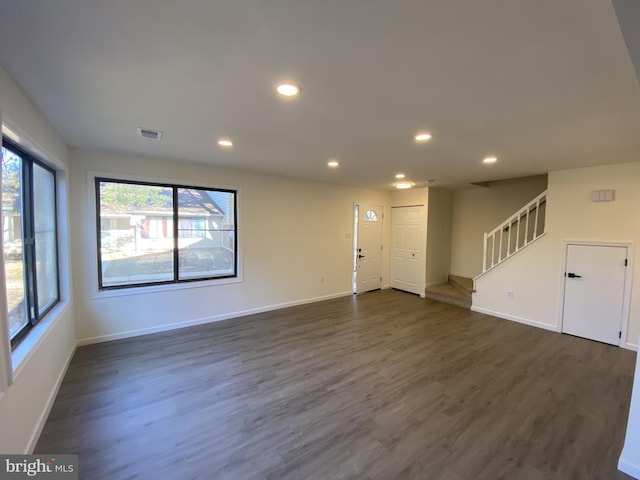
[(594, 292), (369, 248), (408, 246)]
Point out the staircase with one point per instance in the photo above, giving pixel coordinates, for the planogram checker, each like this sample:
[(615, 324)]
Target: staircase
[(516, 232), (457, 291)]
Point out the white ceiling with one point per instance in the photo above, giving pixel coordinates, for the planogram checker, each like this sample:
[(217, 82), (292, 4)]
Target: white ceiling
[(542, 84)]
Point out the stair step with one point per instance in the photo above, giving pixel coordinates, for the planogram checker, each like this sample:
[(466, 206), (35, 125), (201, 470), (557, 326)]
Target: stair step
[(463, 283), (447, 293)]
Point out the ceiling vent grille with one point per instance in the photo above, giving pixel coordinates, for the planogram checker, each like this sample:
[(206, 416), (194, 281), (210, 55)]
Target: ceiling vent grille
[(150, 134)]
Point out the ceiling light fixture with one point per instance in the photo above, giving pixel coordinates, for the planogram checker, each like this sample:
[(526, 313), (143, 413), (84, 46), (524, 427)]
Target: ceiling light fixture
[(490, 160), (423, 137), (225, 142), (333, 164), (400, 176), (404, 185), (288, 89)]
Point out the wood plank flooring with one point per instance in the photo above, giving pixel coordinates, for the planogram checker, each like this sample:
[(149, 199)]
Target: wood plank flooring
[(379, 386)]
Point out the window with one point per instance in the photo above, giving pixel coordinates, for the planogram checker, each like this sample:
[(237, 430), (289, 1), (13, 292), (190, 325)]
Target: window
[(152, 234), (30, 239), (370, 216)]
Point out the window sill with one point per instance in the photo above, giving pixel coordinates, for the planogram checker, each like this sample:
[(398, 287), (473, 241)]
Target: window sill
[(27, 347), (120, 292)]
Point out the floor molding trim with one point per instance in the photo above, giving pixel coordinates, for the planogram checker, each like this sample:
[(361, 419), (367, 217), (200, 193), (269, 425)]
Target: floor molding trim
[(42, 419), (628, 467), (201, 321), (513, 318), (533, 323)]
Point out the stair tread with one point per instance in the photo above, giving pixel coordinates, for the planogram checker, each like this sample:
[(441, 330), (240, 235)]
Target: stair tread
[(464, 283), (449, 290)]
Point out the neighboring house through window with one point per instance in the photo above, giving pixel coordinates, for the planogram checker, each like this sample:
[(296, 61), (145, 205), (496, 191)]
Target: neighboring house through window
[(153, 233)]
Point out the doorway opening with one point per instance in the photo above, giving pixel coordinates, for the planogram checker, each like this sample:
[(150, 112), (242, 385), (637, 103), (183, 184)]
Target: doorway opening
[(596, 291), (367, 247), (408, 249)]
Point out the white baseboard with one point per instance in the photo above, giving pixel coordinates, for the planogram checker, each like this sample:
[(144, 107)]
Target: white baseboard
[(42, 419), (628, 467), (513, 318), (201, 321), (533, 323)]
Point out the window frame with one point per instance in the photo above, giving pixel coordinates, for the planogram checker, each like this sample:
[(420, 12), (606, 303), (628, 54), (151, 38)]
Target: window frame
[(97, 179), (30, 277)]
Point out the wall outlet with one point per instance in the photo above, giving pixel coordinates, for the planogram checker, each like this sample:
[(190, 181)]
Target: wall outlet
[(510, 294)]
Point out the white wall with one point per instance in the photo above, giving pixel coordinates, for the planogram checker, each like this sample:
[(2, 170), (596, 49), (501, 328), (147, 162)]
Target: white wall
[(291, 232), (410, 197), (439, 235), (26, 401), (480, 209), (535, 274)]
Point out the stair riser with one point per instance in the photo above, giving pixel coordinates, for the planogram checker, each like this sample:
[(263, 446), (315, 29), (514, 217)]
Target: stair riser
[(454, 283), (450, 300)]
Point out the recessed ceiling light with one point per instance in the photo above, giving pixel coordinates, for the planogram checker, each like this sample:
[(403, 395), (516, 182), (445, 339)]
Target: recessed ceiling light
[(225, 142), (423, 137), (490, 160), (404, 185), (400, 175), (333, 164), (288, 89)]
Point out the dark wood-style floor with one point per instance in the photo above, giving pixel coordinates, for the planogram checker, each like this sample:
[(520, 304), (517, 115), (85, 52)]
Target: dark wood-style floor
[(379, 386)]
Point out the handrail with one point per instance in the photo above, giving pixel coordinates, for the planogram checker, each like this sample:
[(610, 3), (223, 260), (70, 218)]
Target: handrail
[(522, 215)]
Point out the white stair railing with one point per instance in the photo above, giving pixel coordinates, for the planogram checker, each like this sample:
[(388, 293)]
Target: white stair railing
[(515, 233)]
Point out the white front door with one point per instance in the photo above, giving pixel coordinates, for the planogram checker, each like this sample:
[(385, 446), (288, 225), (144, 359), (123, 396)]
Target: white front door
[(594, 288), (408, 245), (369, 248)]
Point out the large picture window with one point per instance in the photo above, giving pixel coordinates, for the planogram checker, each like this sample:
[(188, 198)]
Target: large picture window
[(29, 239), (152, 233)]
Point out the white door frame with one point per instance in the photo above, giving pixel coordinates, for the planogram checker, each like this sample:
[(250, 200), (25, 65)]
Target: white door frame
[(422, 274), (356, 240), (626, 300)]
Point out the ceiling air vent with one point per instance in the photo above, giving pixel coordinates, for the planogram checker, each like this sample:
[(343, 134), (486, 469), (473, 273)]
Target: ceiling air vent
[(150, 134)]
